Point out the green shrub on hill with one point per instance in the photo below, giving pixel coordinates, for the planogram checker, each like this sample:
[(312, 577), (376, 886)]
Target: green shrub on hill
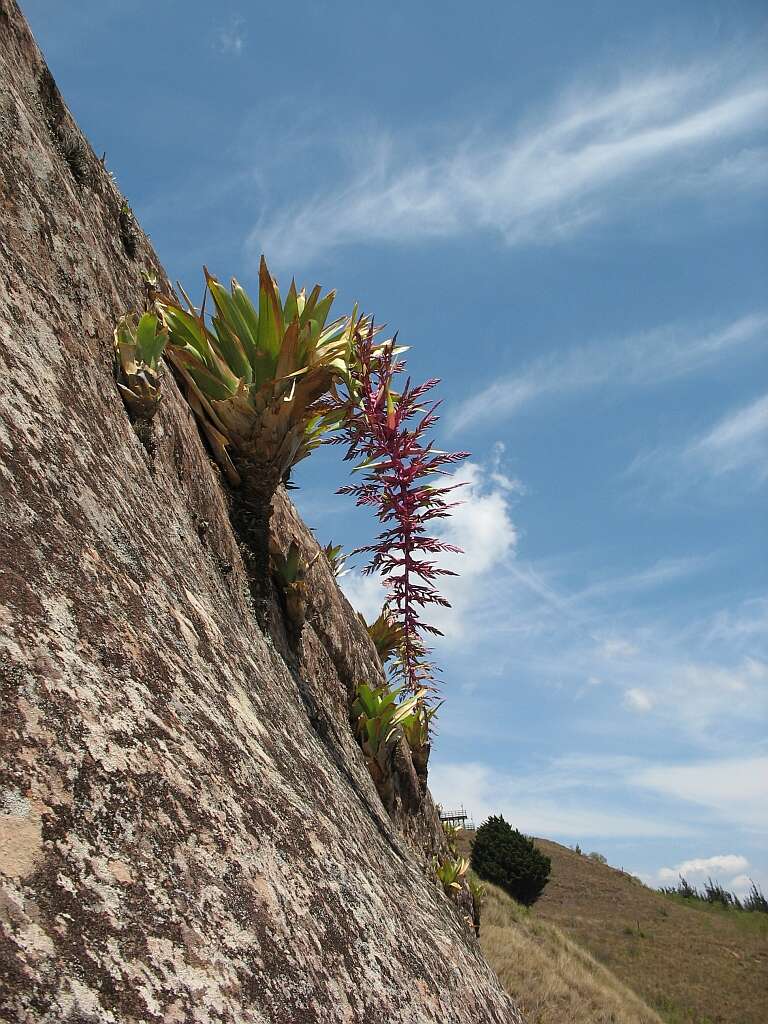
[(504, 856), (715, 895)]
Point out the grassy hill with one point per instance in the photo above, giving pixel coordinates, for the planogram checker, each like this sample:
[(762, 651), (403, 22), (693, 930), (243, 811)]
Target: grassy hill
[(693, 963), (553, 979)]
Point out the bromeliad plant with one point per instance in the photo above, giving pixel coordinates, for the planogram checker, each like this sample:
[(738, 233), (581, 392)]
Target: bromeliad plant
[(451, 871), (387, 635), (417, 731), (478, 893), (290, 570), (399, 465), (337, 559), (139, 345), (451, 833), (255, 377), (379, 722)]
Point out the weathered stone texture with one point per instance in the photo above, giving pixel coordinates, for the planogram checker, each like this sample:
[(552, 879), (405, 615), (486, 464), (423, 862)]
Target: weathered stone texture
[(187, 828)]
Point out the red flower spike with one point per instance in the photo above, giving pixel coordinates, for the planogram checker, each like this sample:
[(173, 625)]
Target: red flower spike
[(396, 459)]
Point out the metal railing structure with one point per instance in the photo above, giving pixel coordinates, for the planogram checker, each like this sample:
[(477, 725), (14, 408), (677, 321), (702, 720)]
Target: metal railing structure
[(459, 818)]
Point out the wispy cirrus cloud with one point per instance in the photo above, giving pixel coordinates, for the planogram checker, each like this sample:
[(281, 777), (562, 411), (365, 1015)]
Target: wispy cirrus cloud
[(735, 444), (638, 699), (744, 168), (545, 179), (665, 570), (230, 39), (697, 698), (638, 360), (741, 626), (739, 440), (732, 789), (700, 678), (572, 796), (559, 800)]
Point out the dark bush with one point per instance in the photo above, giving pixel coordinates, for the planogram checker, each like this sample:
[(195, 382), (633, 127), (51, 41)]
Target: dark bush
[(755, 901), (683, 889), (715, 893), (504, 856)]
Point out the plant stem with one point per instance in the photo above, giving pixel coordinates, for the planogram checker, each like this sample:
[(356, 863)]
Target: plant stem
[(252, 517)]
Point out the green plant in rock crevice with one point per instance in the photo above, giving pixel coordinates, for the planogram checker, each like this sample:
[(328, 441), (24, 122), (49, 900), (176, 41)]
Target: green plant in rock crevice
[(255, 379), (451, 833), (379, 719), (264, 382), (450, 873), (387, 635), (290, 570), (478, 893), (417, 731), (126, 223), (139, 345), (336, 559)]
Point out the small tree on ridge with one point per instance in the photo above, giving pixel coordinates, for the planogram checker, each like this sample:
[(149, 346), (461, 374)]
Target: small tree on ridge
[(507, 858)]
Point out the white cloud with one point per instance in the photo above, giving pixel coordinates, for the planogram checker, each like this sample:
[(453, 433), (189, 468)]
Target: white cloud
[(231, 40), (531, 629), (539, 181), (742, 884), (697, 699), (636, 361), (732, 870), (666, 570), (482, 527), (562, 639), (638, 700), (737, 443), (364, 593), (553, 803), (745, 625), (734, 790), (747, 168), (589, 796), (699, 868), (719, 868), (499, 477), (702, 696), (616, 647)]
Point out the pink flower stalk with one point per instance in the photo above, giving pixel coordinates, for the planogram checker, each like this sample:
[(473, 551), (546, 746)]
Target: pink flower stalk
[(398, 463)]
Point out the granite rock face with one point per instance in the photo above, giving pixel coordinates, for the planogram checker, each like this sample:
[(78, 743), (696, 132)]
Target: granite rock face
[(188, 832)]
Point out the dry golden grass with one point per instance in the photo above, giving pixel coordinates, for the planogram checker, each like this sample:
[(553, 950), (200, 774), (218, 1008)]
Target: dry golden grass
[(696, 964), (553, 980), (693, 964)]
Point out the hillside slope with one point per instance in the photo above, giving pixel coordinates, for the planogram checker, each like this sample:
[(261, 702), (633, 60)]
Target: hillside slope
[(553, 978), (694, 965), (188, 831)]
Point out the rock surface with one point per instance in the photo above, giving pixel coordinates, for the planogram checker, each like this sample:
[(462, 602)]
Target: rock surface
[(188, 831)]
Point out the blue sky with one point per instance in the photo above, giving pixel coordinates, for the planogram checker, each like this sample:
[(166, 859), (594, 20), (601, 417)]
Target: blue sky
[(561, 207)]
